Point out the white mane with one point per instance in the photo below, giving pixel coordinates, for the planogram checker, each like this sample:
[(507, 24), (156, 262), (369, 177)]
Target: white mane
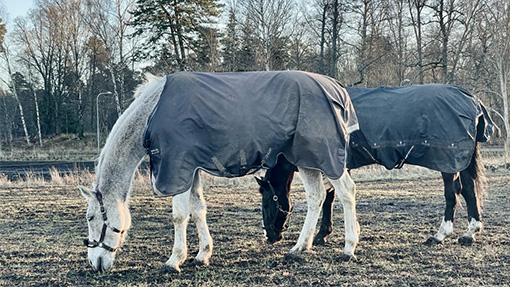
[(124, 149)]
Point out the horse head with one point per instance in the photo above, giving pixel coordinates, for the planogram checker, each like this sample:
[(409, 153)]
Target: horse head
[(108, 220), (276, 208)]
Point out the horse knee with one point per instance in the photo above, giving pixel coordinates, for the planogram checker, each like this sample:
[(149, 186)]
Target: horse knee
[(180, 212), (347, 189), (314, 187), (179, 219)]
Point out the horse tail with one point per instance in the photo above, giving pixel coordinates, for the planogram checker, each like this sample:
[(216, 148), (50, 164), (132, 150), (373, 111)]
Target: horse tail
[(477, 172)]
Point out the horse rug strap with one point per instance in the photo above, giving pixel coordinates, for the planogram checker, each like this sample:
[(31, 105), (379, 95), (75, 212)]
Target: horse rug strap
[(232, 124), (434, 126)]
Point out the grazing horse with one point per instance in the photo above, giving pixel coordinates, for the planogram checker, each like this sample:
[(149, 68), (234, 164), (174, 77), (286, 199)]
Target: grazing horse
[(441, 131), (226, 124)]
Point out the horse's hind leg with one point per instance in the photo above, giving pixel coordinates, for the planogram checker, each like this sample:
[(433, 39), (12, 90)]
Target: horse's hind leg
[(198, 212), (346, 190), (180, 213), (315, 193), (468, 192), (451, 190), (327, 217)]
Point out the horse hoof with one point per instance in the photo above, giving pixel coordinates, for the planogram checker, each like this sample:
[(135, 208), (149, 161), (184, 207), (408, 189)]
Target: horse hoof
[(170, 269), (319, 241), (347, 258), (432, 241), (292, 257), (466, 241), (199, 263)]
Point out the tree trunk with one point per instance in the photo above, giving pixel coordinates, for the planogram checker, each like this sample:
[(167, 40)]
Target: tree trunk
[(38, 117), (115, 87), (504, 93), (363, 48), (180, 38), (417, 26), (57, 118), (176, 36), (15, 94), (334, 39), (8, 124), (323, 38), (80, 115)]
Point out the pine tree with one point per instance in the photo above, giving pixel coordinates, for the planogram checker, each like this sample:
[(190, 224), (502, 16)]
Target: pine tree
[(177, 22)]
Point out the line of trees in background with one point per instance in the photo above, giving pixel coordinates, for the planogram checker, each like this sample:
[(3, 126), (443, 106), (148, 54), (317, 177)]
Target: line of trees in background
[(64, 53)]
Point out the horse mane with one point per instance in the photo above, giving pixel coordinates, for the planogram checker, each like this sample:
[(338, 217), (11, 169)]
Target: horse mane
[(150, 78), (144, 95)]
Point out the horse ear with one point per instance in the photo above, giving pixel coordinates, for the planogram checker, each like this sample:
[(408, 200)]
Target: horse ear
[(86, 192)]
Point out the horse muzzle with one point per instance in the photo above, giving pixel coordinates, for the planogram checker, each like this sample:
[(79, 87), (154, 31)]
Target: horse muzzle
[(100, 261)]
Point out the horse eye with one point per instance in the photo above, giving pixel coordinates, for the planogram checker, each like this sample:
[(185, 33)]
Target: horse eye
[(90, 218)]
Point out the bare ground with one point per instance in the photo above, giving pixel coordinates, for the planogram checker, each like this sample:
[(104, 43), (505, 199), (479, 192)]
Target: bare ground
[(42, 229)]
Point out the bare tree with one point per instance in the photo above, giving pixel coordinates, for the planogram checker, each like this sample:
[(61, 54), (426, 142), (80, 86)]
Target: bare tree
[(395, 10), (12, 85), (497, 22), (43, 37), (416, 8), (271, 19), (109, 21)]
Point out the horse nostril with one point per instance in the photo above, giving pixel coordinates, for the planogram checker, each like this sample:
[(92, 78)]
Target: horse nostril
[(100, 265)]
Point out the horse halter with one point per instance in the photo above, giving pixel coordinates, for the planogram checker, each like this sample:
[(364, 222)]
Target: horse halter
[(94, 244), (278, 209)]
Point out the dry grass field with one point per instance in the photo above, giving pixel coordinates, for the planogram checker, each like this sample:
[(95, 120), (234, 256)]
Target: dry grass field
[(42, 226)]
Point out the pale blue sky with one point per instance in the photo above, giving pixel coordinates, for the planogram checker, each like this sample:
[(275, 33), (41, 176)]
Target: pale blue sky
[(16, 8)]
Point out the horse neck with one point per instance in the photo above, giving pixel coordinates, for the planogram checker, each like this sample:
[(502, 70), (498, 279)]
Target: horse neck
[(123, 150)]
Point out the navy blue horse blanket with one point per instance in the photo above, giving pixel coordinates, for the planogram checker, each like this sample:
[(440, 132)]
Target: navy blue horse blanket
[(434, 126), (232, 124)]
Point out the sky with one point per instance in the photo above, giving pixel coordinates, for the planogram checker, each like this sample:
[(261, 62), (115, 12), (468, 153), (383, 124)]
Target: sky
[(16, 8)]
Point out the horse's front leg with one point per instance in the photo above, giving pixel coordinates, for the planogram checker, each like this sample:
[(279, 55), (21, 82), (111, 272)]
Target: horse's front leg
[(451, 190), (180, 213), (315, 194), (346, 189), (327, 217), (198, 212)]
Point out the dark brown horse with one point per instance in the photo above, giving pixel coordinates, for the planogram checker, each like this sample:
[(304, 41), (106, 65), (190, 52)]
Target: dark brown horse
[(469, 181)]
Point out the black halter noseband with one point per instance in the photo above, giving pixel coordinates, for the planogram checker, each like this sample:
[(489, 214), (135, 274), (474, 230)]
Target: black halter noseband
[(278, 209), (94, 244)]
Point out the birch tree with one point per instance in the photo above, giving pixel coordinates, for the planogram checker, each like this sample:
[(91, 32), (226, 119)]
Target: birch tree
[(43, 40), (109, 21), (14, 91)]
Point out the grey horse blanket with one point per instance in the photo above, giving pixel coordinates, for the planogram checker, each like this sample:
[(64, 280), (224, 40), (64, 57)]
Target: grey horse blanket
[(232, 124), (435, 126)]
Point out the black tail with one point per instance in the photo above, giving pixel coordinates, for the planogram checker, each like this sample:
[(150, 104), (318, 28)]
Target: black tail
[(477, 171)]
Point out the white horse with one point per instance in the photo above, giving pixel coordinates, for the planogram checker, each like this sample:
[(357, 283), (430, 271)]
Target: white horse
[(108, 211)]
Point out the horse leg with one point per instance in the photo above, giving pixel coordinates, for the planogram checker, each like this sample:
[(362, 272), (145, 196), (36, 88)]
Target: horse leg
[(451, 190), (346, 190), (315, 193), (180, 213), (327, 217), (474, 223), (198, 212)]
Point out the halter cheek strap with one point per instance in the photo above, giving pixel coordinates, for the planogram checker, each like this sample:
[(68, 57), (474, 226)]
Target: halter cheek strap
[(100, 243), (278, 209)]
